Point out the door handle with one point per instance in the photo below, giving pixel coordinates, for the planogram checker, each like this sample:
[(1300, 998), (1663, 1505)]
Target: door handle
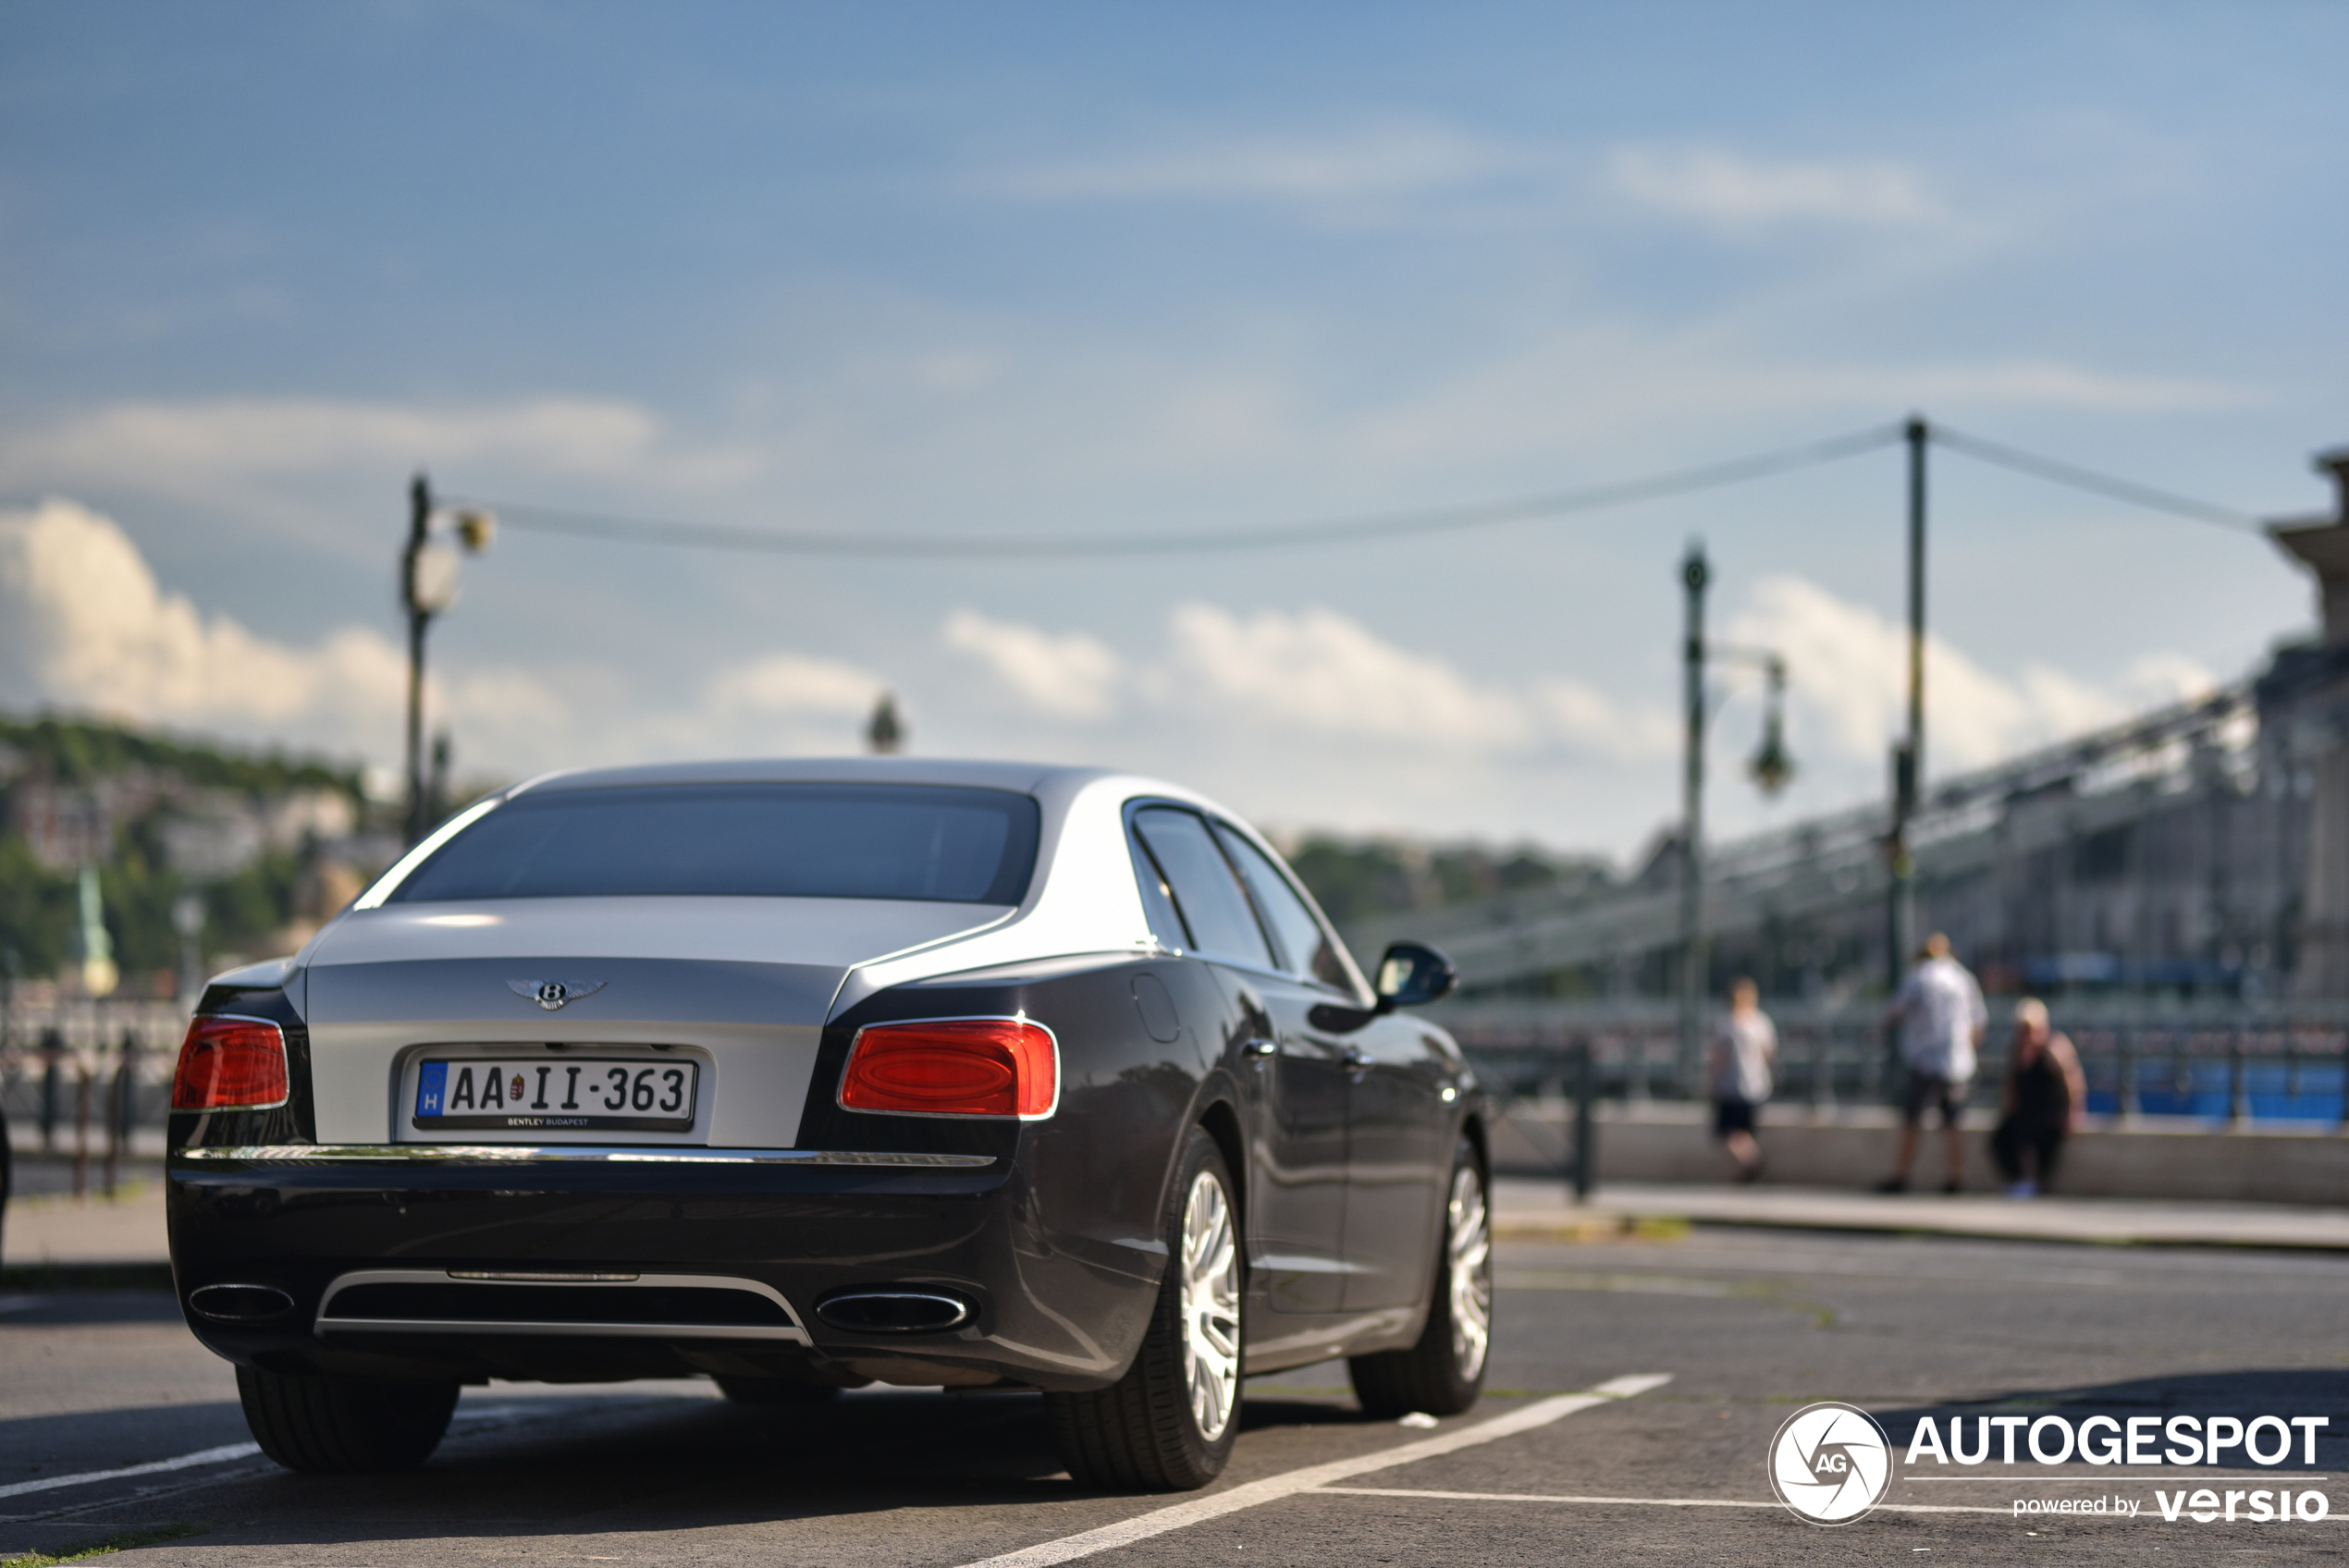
[(1260, 1049), (1358, 1058)]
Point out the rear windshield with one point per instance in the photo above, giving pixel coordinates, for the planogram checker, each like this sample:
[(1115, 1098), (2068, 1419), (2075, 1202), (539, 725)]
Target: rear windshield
[(746, 840)]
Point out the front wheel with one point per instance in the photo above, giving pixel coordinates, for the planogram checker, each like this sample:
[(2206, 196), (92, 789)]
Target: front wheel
[(1168, 1424), (345, 1426), (1444, 1373)]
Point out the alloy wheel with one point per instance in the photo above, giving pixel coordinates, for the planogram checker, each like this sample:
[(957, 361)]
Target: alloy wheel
[(1210, 1307), (1469, 1276)]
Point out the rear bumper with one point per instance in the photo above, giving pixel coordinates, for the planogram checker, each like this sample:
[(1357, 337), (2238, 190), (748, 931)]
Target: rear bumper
[(604, 1238)]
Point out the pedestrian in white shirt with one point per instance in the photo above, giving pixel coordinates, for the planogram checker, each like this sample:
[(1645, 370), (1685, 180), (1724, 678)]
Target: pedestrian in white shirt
[(1744, 1044), (1941, 1017)]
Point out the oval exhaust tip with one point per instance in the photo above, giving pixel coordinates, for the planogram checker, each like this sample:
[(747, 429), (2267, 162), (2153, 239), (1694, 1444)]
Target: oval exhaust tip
[(241, 1303), (894, 1312)]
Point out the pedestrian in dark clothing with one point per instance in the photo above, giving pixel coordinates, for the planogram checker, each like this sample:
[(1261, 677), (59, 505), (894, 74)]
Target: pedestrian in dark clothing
[(2046, 1093)]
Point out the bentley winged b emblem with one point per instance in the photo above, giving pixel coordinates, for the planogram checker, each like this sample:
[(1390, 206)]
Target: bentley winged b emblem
[(553, 995)]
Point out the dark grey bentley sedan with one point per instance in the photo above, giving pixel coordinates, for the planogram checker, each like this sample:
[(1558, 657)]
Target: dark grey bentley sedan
[(807, 1074)]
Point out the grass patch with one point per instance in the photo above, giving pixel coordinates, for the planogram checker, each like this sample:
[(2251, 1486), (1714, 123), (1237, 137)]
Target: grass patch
[(1596, 1228), (123, 1542)]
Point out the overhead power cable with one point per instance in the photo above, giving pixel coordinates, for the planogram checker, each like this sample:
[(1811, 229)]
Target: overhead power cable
[(2089, 480), (1326, 531), (1340, 529)]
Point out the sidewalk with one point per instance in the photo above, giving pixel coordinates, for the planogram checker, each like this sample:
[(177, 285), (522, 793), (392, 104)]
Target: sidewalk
[(55, 1230), (1526, 1209)]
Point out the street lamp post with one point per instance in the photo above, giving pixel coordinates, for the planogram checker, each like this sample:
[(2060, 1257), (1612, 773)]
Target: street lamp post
[(1908, 754), (1695, 576), (419, 617), (1770, 768), (427, 588)]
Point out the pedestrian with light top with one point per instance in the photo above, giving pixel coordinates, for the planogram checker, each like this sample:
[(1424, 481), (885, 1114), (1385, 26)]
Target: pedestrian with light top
[(1744, 1045), (1942, 1018)]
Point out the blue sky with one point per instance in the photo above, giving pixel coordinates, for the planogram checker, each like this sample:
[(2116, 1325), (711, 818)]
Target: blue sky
[(942, 268)]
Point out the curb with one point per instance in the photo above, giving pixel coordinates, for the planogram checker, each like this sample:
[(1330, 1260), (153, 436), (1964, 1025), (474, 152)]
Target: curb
[(1659, 1227)]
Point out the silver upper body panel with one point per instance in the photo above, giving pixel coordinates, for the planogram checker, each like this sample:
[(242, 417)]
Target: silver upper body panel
[(743, 984)]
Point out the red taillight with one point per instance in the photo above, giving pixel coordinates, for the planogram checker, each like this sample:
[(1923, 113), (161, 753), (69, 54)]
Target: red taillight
[(231, 1064), (958, 1067)]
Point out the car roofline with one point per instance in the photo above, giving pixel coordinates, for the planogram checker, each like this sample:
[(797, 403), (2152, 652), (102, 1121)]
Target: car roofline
[(1026, 779)]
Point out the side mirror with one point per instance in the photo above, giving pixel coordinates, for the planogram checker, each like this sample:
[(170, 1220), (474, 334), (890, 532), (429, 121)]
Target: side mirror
[(1413, 975)]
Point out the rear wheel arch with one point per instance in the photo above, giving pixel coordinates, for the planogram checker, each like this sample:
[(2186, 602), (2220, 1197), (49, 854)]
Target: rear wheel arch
[(1473, 1128), (1221, 1120)]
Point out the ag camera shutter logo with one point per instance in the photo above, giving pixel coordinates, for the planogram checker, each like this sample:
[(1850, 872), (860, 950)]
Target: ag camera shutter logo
[(1830, 1463)]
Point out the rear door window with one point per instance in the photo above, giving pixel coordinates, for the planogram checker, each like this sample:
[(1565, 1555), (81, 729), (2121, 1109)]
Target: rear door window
[(1305, 949), (1205, 892)]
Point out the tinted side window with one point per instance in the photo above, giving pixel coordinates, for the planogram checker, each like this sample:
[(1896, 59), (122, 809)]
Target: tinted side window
[(1158, 903), (1211, 902), (1304, 947)]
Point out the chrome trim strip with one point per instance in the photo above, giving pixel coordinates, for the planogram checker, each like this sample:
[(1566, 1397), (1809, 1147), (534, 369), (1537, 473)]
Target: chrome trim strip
[(646, 1153), (492, 1277), (794, 1332), (598, 1331)]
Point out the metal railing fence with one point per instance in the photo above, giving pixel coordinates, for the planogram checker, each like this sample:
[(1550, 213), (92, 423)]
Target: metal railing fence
[(2227, 1072), (85, 1076)]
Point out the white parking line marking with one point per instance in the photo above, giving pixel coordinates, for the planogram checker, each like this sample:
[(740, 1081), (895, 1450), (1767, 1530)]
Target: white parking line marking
[(1640, 1502), (139, 1497), (185, 1462), (1254, 1494)]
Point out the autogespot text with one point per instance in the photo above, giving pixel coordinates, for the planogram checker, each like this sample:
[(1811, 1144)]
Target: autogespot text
[(2265, 1441)]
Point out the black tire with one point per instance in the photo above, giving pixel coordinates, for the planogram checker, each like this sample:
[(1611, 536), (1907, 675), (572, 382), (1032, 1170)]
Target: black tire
[(777, 1390), (1141, 1433), (345, 1426), (1444, 1373)]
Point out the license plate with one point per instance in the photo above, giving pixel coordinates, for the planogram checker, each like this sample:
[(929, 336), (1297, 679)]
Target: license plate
[(586, 1095)]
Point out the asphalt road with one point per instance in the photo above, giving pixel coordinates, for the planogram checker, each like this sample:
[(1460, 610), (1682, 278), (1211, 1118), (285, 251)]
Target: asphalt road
[(1748, 1325)]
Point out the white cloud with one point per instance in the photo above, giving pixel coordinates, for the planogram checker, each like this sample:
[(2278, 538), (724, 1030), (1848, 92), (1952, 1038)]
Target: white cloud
[(85, 626), (1071, 676), (1368, 161), (1848, 683), (1322, 673), (1303, 715), (792, 685), (1724, 187), (205, 441), (1312, 672), (1593, 724)]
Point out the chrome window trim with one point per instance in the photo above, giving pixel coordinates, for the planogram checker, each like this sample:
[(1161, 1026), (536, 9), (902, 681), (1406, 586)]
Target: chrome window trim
[(794, 1331), (499, 1153)]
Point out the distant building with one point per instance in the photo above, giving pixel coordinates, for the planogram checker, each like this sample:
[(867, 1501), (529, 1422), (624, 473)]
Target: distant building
[(2308, 689), (2200, 849)]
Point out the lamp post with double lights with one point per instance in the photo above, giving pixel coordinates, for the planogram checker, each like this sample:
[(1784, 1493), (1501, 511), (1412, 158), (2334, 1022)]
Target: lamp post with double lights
[(1770, 767), (427, 588)]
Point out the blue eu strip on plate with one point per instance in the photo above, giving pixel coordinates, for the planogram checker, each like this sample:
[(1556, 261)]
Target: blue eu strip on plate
[(432, 1083)]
